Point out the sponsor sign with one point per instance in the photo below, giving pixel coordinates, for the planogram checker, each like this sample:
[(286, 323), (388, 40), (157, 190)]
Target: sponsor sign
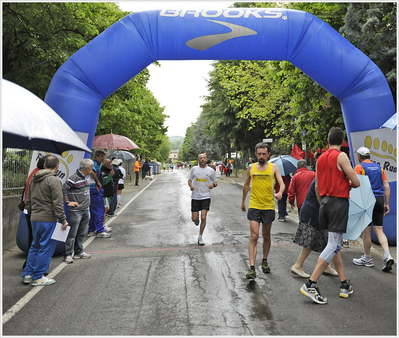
[(383, 148), (69, 160)]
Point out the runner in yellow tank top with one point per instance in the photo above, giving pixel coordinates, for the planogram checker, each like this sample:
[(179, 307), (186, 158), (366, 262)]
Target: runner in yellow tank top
[(261, 207), (262, 188)]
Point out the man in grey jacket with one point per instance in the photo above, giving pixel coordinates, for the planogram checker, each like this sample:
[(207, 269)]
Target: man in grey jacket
[(45, 205)]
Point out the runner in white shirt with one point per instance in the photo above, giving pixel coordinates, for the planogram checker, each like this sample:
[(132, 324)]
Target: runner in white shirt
[(201, 180)]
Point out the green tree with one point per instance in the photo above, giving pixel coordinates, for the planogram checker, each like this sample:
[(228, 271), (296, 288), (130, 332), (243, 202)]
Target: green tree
[(39, 37), (164, 150), (371, 27)]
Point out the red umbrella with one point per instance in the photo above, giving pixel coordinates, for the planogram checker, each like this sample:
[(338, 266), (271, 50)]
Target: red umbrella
[(112, 141)]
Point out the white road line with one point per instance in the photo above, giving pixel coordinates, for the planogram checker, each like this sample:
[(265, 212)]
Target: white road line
[(24, 300)]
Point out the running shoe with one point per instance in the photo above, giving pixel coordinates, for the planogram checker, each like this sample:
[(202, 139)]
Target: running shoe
[(363, 261), (107, 228), (345, 290), (103, 235), (388, 262), (313, 294), (43, 281), (27, 279), (251, 274), (265, 266), (92, 233), (83, 255), (196, 222), (200, 241), (345, 243), (68, 259)]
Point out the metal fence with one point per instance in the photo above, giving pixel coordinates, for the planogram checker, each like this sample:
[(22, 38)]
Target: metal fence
[(15, 170), (16, 165)]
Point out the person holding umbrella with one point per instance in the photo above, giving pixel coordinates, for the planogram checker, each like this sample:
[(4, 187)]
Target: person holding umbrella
[(380, 186), (334, 178)]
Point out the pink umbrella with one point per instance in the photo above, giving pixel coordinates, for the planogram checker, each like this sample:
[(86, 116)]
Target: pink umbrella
[(112, 141)]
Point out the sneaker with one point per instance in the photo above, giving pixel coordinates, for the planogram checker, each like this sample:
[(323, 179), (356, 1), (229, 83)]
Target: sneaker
[(345, 290), (345, 243), (281, 219), (111, 215), (107, 229), (43, 281), (363, 261), (82, 255), (200, 241), (68, 259), (313, 294), (103, 235), (265, 266), (251, 274), (92, 233), (27, 279), (196, 222), (388, 262)]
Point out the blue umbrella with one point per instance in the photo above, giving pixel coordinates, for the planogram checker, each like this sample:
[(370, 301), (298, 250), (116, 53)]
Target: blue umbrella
[(123, 155), (286, 164), (361, 205), (391, 123)]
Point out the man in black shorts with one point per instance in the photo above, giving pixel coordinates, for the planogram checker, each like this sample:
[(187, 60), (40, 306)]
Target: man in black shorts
[(334, 178), (382, 192), (201, 180)]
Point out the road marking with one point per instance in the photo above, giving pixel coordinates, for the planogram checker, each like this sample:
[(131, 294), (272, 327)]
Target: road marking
[(36, 289)]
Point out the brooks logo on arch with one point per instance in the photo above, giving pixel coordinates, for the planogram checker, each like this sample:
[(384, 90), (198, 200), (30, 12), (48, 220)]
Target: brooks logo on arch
[(207, 41)]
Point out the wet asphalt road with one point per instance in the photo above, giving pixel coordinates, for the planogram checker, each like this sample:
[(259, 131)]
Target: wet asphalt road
[(152, 278)]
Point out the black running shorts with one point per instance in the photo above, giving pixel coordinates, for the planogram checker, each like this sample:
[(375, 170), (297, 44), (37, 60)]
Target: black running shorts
[(198, 205), (333, 214), (378, 211), (261, 216)]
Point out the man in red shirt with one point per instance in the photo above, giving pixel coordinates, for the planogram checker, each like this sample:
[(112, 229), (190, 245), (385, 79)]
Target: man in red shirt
[(300, 184), (334, 178)]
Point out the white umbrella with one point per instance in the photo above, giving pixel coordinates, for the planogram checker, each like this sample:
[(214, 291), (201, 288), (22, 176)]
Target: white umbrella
[(28, 122)]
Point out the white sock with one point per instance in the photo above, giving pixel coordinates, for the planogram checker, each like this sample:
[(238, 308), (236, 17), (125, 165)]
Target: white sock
[(367, 256), (386, 254), (118, 199)]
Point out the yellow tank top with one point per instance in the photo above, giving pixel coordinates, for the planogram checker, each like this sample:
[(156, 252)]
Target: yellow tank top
[(262, 188)]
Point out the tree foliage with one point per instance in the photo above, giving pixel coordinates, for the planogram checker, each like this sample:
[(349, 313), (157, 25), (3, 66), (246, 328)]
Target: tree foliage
[(39, 37), (251, 100), (371, 27)]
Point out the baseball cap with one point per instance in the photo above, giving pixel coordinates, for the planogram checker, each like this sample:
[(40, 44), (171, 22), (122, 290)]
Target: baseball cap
[(115, 162), (363, 151)]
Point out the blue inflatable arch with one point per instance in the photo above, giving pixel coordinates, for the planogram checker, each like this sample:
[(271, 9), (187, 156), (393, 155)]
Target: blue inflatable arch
[(131, 44)]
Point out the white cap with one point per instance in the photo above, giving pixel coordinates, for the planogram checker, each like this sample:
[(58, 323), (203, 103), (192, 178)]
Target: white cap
[(363, 151)]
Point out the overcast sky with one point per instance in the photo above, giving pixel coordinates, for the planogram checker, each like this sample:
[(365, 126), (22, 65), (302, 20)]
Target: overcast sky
[(178, 85)]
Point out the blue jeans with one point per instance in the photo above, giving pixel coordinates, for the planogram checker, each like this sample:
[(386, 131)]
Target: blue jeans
[(79, 223), (41, 250), (114, 202), (282, 207)]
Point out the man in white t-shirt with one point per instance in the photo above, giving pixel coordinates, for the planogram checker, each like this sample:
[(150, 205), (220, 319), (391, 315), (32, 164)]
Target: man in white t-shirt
[(201, 180)]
